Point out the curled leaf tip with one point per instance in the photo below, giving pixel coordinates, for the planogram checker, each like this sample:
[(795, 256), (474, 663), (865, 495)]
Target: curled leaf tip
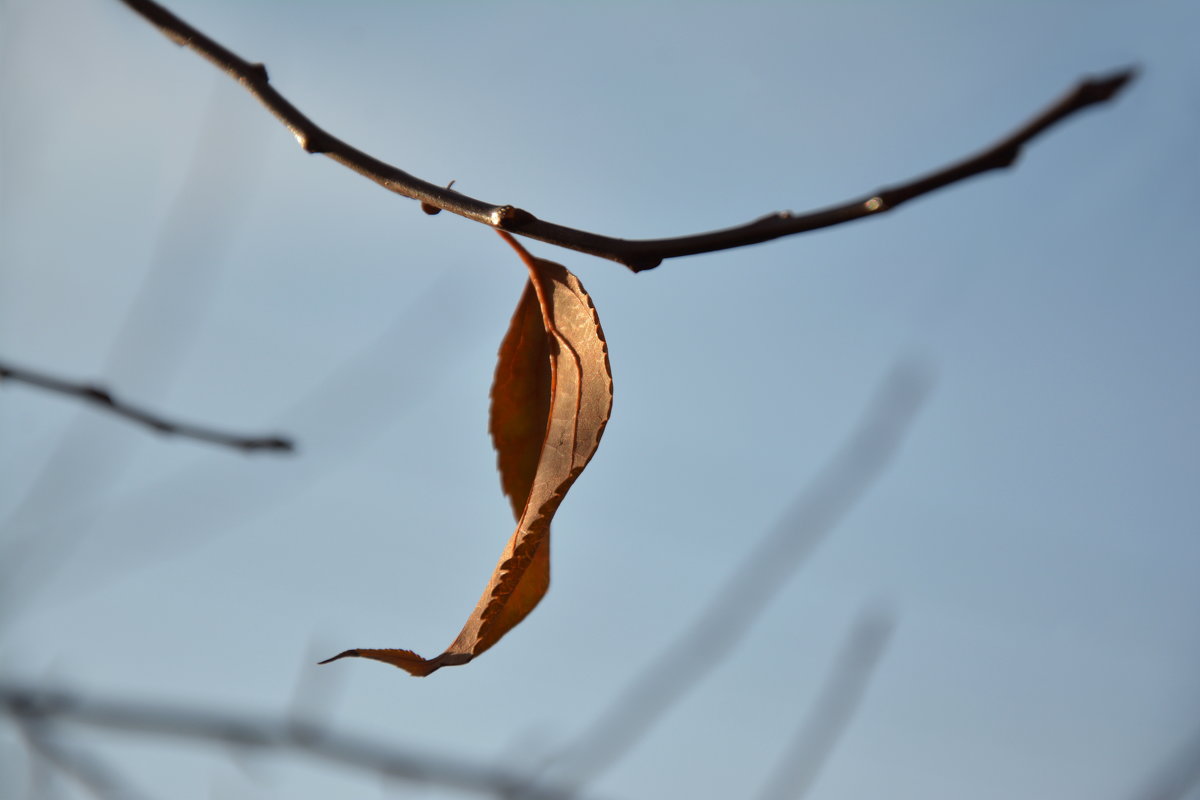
[(343, 654), (406, 660)]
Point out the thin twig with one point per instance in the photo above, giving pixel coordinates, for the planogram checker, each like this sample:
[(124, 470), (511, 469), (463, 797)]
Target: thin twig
[(729, 615), (98, 395), (636, 254), (356, 403), (813, 743), (48, 523), (249, 732)]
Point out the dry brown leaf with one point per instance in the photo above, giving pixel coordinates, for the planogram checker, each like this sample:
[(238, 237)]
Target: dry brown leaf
[(551, 399)]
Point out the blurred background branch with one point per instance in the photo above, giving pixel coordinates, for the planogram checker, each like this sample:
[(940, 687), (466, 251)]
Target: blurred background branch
[(1179, 777), (731, 610), (802, 760), (34, 708), (101, 397), (662, 684), (95, 775), (44, 529), (1040, 538)]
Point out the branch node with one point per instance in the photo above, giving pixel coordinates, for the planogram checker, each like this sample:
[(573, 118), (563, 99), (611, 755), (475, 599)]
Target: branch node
[(511, 218), (430, 208), (1100, 89), (99, 394), (637, 265), (258, 72), (1008, 156), (312, 142)]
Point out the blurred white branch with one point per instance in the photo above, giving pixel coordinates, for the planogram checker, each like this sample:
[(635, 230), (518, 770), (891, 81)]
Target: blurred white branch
[(33, 706), (818, 735), (92, 773), (732, 609)]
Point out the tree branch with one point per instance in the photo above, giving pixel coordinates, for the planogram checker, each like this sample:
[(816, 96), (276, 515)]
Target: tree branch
[(98, 395), (28, 704), (636, 254)]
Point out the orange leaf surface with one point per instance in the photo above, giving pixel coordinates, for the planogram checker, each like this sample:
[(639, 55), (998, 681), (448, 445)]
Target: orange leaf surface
[(551, 399)]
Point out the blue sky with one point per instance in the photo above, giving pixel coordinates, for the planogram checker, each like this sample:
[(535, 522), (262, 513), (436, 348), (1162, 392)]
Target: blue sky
[(1035, 538)]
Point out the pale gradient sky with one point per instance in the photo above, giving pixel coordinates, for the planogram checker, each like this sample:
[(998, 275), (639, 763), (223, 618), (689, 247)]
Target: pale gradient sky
[(1037, 538)]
